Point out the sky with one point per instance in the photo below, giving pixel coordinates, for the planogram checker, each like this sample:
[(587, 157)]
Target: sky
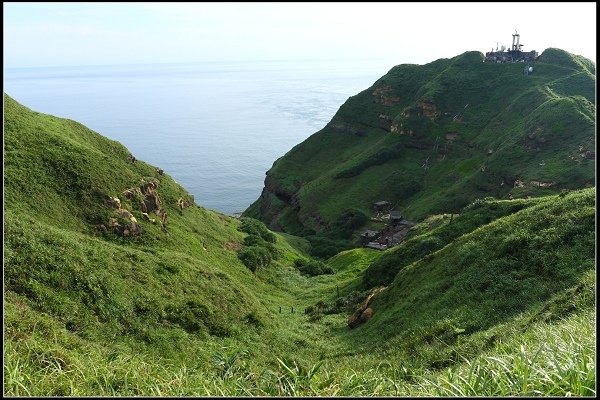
[(77, 34)]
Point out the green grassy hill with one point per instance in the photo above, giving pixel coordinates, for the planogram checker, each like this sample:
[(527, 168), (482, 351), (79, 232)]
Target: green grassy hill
[(432, 138), (498, 300), (163, 291)]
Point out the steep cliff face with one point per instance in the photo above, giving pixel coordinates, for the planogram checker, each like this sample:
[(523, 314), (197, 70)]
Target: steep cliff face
[(432, 138)]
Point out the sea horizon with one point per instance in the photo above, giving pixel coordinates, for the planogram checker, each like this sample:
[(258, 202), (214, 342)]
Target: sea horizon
[(216, 127)]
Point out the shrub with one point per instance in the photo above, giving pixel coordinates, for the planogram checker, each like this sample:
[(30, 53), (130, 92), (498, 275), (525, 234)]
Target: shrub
[(300, 263), (254, 227), (313, 268), (405, 189), (254, 240), (324, 247), (347, 223), (254, 257), (259, 249)]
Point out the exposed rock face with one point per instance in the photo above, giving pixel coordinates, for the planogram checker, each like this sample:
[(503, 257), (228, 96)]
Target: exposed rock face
[(116, 202), (384, 94), (145, 195), (385, 121), (125, 224), (428, 108), (364, 312), (366, 315), (399, 129), (123, 213), (148, 187), (151, 202)]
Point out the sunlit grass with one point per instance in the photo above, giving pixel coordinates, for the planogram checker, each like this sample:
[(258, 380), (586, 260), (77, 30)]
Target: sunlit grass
[(499, 305)]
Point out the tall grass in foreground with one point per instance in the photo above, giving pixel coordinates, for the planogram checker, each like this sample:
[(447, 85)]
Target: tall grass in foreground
[(555, 359), (551, 361)]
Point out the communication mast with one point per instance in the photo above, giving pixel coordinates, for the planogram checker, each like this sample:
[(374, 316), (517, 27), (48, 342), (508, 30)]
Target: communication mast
[(515, 42)]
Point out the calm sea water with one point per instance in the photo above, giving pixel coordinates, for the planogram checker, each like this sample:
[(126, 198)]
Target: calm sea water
[(216, 128)]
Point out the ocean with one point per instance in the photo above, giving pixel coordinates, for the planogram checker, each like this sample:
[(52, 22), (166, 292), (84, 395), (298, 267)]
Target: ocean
[(215, 127)]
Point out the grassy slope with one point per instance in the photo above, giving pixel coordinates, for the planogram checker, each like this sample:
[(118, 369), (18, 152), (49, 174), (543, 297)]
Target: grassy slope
[(87, 313), (59, 175), (500, 270), (504, 108), (161, 293), (509, 276)]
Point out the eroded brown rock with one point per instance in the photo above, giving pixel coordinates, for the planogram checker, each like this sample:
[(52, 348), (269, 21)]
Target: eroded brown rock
[(364, 312), (384, 94), (428, 108)]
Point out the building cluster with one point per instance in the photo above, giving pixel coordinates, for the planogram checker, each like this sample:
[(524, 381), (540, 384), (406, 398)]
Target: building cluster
[(392, 234), (512, 55)]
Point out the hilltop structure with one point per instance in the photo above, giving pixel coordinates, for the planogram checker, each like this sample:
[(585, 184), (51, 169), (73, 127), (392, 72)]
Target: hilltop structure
[(515, 54)]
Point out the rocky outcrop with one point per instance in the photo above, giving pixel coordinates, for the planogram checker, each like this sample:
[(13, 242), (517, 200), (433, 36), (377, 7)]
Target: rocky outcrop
[(364, 312), (150, 203), (385, 122), (399, 129), (125, 224), (384, 94), (428, 109)]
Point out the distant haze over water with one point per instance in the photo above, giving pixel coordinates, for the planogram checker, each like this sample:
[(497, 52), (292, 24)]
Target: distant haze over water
[(216, 128)]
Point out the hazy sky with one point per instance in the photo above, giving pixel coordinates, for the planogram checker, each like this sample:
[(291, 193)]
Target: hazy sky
[(56, 34)]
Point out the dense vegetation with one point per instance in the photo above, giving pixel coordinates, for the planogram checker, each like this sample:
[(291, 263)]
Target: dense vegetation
[(496, 299), (313, 267), (259, 249), (432, 138)]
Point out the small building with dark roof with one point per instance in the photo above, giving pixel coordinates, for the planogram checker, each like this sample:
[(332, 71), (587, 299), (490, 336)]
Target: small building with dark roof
[(376, 246), (395, 217), (368, 235), (382, 206)]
